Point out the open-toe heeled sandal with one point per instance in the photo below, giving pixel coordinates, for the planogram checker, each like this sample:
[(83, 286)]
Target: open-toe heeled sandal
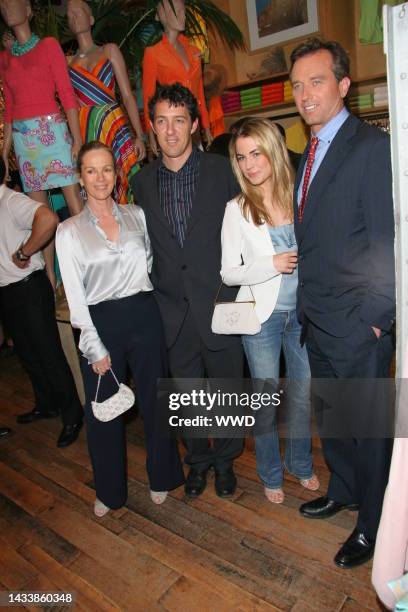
[(312, 484), (276, 496), (158, 497), (100, 509)]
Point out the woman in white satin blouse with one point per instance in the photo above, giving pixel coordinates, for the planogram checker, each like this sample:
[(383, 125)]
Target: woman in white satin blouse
[(105, 259)]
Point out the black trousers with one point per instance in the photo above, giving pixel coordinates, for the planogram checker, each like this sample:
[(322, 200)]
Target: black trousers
[(359, 464), (190, 358), (131, 330), (28, 309)]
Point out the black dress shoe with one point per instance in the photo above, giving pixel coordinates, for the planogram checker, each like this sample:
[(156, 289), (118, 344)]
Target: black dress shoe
[(356, 550), (4, 432), (323, 507), (195, 483), (69, 434), (36, 415), (225, 483)]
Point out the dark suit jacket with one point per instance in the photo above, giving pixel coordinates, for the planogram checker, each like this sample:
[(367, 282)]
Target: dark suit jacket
[(346, 239), (189, 276)]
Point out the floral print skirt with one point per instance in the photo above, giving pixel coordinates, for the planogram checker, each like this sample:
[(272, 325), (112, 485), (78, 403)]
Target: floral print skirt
[(43, 152)]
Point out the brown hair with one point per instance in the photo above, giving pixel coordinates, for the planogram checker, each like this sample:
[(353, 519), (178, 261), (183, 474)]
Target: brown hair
[(271, 144), (341, 62), (94, 145)]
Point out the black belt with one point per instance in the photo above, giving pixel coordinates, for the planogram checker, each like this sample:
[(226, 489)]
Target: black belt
[(26, 278)]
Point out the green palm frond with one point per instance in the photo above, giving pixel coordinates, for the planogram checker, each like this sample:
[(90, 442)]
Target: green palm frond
[(109, 16), (46, 20), (215, 19), (131, 23)]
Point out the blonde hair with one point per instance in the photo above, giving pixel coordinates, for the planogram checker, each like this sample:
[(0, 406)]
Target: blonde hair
[(271, 144)]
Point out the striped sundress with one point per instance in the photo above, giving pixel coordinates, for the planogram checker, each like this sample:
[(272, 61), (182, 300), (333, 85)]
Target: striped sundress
[(101, 118)]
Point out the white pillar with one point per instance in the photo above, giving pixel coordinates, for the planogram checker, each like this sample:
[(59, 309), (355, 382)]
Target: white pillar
[(396, 48)]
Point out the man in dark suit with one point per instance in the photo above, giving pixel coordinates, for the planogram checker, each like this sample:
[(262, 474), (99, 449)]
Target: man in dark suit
[(183, 195), (346, 297)]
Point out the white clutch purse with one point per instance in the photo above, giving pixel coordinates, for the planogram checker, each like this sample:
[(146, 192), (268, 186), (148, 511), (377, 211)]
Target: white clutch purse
[(115, 405), (235, 317)]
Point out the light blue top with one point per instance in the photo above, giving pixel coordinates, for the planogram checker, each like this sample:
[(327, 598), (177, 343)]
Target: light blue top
[(325, 136), (283, 239)]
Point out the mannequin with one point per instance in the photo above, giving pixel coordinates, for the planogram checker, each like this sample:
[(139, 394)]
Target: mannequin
[(33, 71), (93, 72), (7, 40), (173, 59)]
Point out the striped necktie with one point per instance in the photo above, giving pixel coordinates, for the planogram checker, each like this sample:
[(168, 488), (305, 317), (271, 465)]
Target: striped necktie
[(310, 159)]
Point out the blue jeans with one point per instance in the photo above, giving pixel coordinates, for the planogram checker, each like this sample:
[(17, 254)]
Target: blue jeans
[(282, 332)]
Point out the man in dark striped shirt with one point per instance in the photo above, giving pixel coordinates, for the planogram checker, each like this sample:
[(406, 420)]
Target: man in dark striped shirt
[(183, 195), (176, 192)]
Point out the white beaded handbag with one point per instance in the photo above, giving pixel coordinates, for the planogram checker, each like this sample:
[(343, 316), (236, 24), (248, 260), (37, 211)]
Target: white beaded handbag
[(235, 317), (116, 404)]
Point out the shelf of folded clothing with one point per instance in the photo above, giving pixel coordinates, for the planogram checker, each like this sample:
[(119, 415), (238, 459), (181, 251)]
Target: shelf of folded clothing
[(237, 96), (289, 109), (373, 110), (280, 76)]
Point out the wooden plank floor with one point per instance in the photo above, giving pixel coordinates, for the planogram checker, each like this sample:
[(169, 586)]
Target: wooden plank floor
[(213, 555)]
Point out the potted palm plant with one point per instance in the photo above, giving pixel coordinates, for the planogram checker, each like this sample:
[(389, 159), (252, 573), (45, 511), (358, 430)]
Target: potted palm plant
[(131, 24)]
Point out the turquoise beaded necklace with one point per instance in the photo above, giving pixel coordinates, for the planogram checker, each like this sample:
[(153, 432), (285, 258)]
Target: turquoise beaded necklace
[(18, 49)]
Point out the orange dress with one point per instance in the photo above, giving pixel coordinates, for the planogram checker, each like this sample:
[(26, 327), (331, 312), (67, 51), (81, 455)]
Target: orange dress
[(162, 63)]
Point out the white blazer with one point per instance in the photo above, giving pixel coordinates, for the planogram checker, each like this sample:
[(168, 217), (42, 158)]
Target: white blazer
[(243, 241)]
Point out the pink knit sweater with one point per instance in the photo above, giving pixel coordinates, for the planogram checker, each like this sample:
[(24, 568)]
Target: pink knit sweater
[(31, 81)]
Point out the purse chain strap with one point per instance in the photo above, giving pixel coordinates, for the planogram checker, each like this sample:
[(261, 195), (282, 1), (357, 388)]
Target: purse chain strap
[(99, 382), (240, 302)]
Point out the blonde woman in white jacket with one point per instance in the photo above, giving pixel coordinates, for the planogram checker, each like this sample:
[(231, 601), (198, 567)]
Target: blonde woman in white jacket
[(259, 252)]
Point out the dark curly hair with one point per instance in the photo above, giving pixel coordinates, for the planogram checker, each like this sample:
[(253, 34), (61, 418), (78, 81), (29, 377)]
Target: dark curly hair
[(176, 95)]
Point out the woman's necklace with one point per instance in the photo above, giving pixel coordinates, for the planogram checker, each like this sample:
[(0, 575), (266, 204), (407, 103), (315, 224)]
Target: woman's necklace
[(83, 54), (20, 49)]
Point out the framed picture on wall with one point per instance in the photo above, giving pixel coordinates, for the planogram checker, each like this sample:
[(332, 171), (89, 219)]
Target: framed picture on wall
[(272, 22)]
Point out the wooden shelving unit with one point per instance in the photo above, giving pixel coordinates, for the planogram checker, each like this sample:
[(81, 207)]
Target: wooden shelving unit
[(273, 78), (288, 109), (374, 110)]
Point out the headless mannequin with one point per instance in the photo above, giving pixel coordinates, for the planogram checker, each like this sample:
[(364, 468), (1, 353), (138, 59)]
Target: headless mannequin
[(17, 15), (173, 22), (81, 20)]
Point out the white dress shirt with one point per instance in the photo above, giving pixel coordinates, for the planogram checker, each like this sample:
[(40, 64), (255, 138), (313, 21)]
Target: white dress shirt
[(94, 269), (326, 136), (17, 213)]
